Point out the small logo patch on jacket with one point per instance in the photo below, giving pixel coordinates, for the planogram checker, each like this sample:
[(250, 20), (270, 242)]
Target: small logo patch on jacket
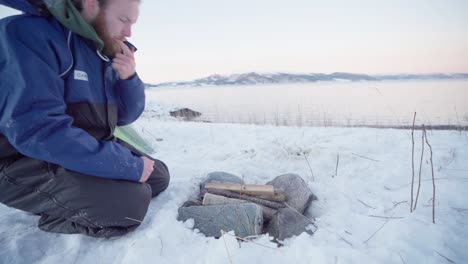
[(81, 75)]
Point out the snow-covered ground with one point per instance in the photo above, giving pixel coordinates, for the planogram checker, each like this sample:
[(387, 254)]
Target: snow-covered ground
[(362, 214)]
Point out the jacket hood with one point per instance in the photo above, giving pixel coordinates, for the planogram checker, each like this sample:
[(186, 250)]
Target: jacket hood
[(64, 11), (67, 14)]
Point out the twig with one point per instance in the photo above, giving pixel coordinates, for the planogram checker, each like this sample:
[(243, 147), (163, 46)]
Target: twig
[(245, 239), (440, 178), (459, 209), (337, 161), (134, 220), (396, 204), (342, 238), (377, 231), (246, 197), (364, 157), (162, 247), (449, 260), (310, 220), (386, 217), (225, 245), (366, 204), (420, 170), (433, 179), (402, 260), (412, 163), (454, 169), (311, 172)]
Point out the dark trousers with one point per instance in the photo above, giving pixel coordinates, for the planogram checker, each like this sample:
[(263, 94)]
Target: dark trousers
[(70, 202)]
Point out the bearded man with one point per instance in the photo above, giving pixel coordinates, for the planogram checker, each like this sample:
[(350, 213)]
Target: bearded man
[(67, 80)]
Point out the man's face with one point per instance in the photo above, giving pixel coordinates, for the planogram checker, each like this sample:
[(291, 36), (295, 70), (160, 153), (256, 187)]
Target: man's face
[(114, 22)]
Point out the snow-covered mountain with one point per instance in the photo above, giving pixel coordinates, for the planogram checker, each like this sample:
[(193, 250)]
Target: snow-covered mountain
[(253, 78)]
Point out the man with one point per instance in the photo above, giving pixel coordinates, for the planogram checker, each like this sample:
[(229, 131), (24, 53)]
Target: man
[(67, 80)]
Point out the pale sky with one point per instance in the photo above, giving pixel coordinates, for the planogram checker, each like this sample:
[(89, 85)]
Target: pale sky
[(183, 40)]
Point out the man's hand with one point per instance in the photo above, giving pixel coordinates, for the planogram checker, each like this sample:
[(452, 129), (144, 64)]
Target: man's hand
[(124, 63), (148, 166)]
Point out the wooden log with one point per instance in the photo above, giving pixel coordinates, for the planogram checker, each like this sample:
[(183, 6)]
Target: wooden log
[(266, 192), (213, 199), (259, 201)]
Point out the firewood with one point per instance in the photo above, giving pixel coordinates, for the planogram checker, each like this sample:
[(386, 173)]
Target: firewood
[(266, 192), (259, 201)]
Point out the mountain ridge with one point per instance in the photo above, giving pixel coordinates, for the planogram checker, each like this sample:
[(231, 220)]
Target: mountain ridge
[(253, 78)]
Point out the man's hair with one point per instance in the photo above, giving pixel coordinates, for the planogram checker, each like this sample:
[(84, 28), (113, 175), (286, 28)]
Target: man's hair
[(102, 3), (79, 5)]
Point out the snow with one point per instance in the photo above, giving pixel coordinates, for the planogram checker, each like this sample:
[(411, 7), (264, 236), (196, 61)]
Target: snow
[(373, 179)]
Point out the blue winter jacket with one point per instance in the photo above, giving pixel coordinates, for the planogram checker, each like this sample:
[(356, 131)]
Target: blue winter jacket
[(60, 100)]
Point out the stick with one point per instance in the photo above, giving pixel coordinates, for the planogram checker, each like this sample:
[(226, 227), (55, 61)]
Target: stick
[(225, 245), (246, 197), (402, 260), (138, 221), (311, 171), (440, 178), (267, 192), (433, 179), (377, 231), (449, 260), (337, 161), (364, 157), (386, 217), (245, 239), (420, 170), (412, 163), (366, 204)]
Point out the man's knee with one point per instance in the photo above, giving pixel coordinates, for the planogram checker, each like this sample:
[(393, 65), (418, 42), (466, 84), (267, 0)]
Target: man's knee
[(159, 179)]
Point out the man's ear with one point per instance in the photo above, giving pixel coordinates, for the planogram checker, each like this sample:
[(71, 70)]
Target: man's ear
[(90, 9)]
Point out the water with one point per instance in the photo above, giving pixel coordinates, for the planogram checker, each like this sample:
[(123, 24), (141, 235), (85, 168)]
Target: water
[(372, 103)]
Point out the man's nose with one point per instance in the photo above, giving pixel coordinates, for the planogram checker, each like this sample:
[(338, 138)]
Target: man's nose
[(127, 31)]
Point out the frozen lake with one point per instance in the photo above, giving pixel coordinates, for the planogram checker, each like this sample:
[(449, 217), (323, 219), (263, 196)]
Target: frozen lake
[(373, 103)]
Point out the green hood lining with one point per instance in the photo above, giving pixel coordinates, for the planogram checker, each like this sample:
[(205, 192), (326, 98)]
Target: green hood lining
[(67, 14)]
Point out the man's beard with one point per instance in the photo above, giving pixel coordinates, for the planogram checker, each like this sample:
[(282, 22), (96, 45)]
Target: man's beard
[(110, 45)]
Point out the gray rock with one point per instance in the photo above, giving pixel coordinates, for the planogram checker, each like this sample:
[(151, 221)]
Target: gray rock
[(287, 223), (212, 199), (186, 113), (298, 194), (219, 176), (192, 202), (245, 218)]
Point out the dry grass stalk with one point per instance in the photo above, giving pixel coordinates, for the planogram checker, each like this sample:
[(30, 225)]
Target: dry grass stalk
[(138, 221), (378, 230), (412, 163), (337, 162), (225, 245), (364, 157), (433, 179), (420, 169), (310, 168), (366, 204), (386, 217)]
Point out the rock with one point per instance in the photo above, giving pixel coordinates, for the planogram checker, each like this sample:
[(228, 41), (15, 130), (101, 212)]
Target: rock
[(192, 202), (185, 113), (245, 218), (298, 194), (219, 176), (287, 223), (212, 199)]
